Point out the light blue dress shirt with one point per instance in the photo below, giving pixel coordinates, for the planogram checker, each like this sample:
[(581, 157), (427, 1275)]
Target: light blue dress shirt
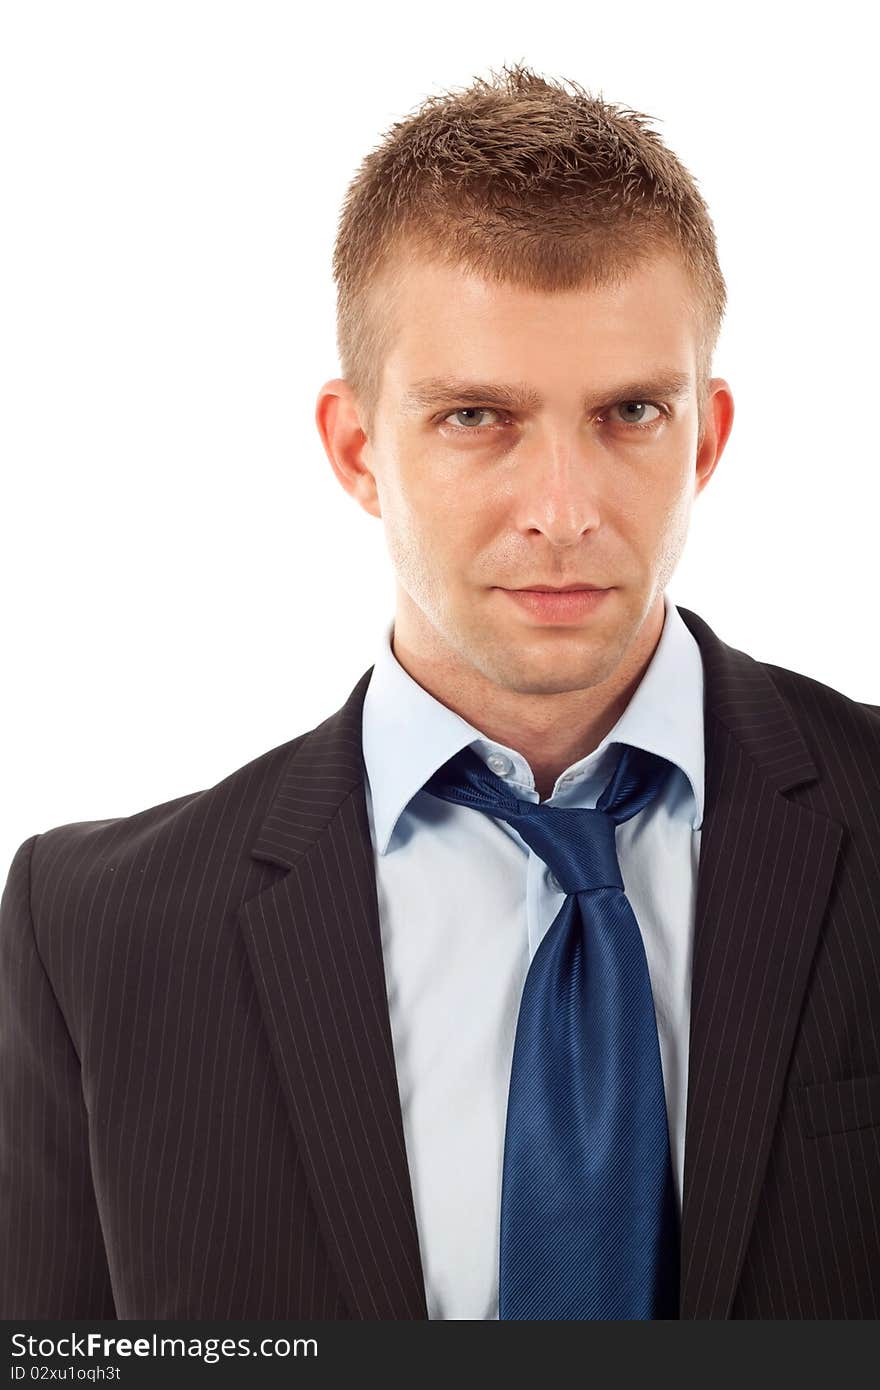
[(463, 904)]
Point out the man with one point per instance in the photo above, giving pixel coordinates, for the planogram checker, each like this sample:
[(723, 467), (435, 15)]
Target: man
[(540, 980)]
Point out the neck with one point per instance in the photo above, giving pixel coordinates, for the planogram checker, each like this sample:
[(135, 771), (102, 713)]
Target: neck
[(551, 730)]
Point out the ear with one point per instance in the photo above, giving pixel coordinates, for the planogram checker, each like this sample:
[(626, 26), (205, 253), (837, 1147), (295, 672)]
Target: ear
[(717, 424), (345, 443)]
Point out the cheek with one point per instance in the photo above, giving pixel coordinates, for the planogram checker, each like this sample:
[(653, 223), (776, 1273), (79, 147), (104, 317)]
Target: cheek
[(675, 523), (421, 534), (658, 501), (435, 510)]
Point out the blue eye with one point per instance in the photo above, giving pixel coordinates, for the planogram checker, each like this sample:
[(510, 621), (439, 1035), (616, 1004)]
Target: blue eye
[(473, 413), (472, 410), (640, 424)]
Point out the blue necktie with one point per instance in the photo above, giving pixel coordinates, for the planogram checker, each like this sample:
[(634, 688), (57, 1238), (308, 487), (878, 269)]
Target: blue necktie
[(589, 1224)]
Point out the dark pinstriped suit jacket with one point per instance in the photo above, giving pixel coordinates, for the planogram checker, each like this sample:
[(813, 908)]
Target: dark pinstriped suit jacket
[(198, 1099)]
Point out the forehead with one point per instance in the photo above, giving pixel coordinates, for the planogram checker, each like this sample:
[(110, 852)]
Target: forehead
[(449, 321)]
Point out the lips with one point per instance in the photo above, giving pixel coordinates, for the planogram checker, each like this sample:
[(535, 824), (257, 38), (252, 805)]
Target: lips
[(558, 606)]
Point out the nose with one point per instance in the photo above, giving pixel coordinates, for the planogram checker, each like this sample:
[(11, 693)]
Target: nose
[(557, 490)]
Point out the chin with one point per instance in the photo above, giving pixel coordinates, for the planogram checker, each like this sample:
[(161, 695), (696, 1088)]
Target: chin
[(544, 668)]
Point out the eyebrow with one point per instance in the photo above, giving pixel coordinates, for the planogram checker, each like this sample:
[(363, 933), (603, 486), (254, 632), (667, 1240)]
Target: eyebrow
[(435, 390)]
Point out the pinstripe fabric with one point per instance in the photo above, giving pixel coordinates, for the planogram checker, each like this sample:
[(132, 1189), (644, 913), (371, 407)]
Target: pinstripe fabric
[(199, 1112)]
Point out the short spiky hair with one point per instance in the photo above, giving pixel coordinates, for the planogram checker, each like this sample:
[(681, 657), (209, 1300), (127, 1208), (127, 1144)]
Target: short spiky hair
[(525, 183)]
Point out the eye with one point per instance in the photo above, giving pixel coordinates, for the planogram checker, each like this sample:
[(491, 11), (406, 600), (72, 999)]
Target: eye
[(631, 419), (638, 423), (470, 410)]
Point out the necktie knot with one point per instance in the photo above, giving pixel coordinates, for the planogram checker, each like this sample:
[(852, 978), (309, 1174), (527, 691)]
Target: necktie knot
[(578, 844)]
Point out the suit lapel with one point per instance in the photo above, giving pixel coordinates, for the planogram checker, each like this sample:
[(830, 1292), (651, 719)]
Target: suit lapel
[(313, 939), (766, 868), (314, 945)]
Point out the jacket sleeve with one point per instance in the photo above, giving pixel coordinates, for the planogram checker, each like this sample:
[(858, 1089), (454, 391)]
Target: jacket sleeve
[(52, 1259)]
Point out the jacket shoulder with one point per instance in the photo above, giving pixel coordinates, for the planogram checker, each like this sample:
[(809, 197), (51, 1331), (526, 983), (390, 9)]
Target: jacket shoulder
[(841, 733), (226, 815), (817, 700)]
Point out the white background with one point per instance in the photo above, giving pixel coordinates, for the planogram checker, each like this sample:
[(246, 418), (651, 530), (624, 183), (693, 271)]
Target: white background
[(184, 583)]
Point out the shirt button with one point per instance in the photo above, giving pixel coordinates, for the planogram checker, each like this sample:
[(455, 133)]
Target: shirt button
[(554, 881), (500, 764)]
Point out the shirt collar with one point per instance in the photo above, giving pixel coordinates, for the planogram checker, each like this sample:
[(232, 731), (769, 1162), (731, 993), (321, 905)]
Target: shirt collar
[(408, 734)]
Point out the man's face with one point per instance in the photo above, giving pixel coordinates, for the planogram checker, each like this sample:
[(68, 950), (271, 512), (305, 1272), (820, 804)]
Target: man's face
[(480, 494)]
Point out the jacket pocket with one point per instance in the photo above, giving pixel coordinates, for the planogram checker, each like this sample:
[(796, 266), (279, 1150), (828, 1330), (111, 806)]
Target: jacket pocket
[(833, 1107)]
